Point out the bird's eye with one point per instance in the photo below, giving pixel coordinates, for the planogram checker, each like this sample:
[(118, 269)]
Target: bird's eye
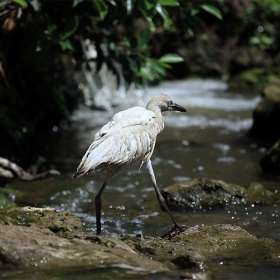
[(169, 102)]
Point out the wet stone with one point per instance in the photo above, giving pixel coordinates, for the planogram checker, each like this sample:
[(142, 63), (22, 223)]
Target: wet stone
[(192, 260), (57, 221), (194, 253), (258, 194), (202, 192)]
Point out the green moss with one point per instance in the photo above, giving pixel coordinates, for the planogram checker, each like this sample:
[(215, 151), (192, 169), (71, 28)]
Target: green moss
[(201, 192), (5, 198), (61, 230), (256, 76), (60, 222), (251, 75)]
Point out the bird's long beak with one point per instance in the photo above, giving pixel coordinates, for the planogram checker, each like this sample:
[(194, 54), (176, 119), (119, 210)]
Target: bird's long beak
[(177, 107)]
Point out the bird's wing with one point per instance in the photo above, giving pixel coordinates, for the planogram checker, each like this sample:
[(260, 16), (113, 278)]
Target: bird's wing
[(129, 137), (130, 115)]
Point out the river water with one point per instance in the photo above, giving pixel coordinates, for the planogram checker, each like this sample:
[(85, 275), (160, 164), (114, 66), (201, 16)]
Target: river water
[(208, 141)]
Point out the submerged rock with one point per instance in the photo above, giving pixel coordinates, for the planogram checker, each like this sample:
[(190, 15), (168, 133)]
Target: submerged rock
[(258, 194), (202, 192), (270, 162), (194, 253)]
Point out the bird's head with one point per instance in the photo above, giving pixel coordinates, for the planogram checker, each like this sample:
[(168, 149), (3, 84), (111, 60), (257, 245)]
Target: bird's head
[(165, 103)]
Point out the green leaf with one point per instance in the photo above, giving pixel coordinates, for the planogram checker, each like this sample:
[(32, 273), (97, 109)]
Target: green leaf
[(155, 66), (66, 45), (171, 58), (148, 10), (267, 40), (22, 3), (164, 15), (70, 27), (76, 2), (151, 23), (275, 2), (133, 65), (260, 2), (148, 6), (255, 40), (147, 18), (190, 31), (212, 10), (101, 7), (171, 3), (145, 73), (165, 65), (194, 11), (144, 37)]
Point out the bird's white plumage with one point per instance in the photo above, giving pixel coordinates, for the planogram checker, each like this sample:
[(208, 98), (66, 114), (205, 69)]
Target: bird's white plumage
[(129, 137)]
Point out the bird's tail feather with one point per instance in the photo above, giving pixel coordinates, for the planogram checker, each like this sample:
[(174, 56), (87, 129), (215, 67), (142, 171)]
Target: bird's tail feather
[(92, 159), (99, 155), (76, 174), (81, 170)]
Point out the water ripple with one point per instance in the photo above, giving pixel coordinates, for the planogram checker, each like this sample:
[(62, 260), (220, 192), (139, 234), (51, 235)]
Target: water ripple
[(203, 122)]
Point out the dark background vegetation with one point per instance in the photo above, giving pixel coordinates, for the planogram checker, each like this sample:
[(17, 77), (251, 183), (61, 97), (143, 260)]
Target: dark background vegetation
[(41, 47)]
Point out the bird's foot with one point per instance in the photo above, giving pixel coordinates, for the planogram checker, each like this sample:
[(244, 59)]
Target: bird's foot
[(176, 230)]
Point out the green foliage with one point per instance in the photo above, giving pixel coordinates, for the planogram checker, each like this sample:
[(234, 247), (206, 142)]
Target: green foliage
[(265, 35), (212, 10), (171, 58), (265, 29), (255, 76), (22, 3), (264, 3), (246, 38), (66, 23), (42, 47)]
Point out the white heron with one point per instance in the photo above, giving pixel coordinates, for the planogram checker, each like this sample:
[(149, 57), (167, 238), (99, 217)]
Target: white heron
[(128, 138)]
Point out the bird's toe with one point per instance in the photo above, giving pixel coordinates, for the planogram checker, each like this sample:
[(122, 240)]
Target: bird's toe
[(176, 230)]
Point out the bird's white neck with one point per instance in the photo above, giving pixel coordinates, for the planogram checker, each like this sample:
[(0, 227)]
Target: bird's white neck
[(157, 111)]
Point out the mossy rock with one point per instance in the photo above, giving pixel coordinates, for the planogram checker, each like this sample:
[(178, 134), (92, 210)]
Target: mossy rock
[(60, 222), (195, 253), (202, 192)]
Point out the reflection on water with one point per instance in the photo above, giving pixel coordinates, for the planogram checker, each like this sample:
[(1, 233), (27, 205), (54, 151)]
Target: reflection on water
[(208, 141)]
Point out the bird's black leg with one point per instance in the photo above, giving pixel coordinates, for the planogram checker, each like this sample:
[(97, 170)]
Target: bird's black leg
[(177, 226), (98, 203)]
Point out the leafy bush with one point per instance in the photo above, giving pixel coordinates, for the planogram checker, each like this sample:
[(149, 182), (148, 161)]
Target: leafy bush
[(42, 47)]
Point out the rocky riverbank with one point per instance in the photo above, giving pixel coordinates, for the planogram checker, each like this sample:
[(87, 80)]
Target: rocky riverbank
[(44, 239)]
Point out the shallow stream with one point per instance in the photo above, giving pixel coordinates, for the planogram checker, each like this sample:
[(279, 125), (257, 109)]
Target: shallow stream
[(208, 141)]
